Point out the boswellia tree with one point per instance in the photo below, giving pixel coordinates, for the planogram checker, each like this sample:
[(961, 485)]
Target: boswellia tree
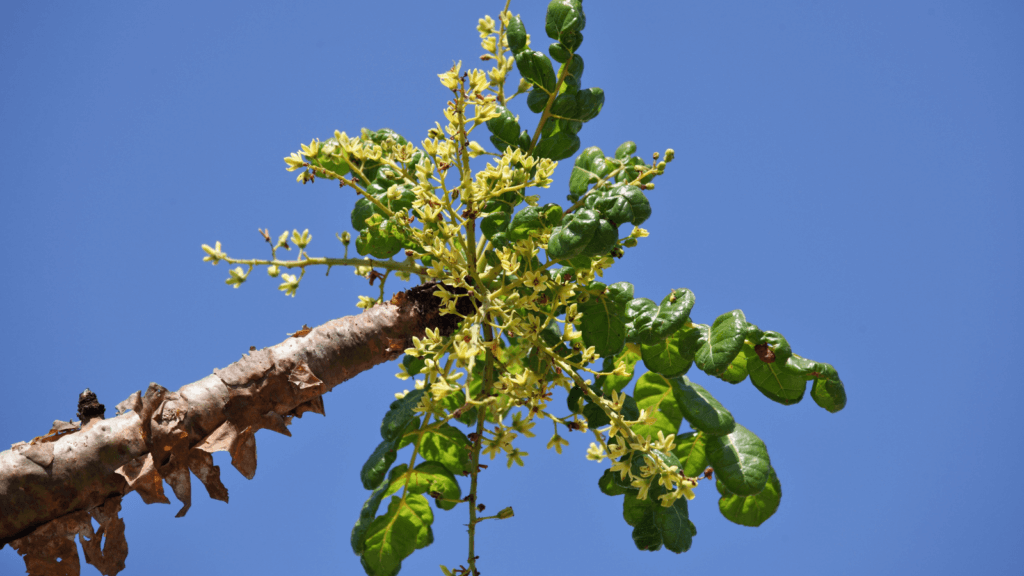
[(509, 323)]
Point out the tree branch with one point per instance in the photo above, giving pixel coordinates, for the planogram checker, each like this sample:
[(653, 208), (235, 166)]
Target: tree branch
[(51, 486)]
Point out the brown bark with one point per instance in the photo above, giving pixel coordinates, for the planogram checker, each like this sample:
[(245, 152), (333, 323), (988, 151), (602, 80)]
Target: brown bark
[(52, 486)]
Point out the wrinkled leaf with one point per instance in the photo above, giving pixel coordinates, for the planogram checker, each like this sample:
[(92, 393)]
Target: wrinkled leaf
[(427, 477), (690, 448), (628, 358), (395, 535), (701, 410), (399, 414), (751, 510), (828, 390), (740, 460), (655, 390), (777, 380), (376, 466), (721, 343), (582, 233), (446, 444)]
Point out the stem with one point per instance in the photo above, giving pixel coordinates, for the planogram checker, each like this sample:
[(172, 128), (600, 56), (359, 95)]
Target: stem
[(481, 419), (551, 101), (385, 264)]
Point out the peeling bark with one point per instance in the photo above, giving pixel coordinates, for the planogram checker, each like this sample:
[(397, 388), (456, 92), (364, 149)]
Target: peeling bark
[(51, 486)]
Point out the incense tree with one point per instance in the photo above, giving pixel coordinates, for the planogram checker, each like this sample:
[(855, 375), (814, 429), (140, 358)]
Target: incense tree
[(505, 323)]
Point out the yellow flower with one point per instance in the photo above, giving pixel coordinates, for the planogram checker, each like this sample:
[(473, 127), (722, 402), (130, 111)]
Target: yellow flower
[(557, 442), (450, 79)]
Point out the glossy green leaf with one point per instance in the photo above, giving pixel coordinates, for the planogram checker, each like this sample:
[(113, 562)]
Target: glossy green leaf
[(382, 238), (557, 146), (736, 371), (777, 380), (376, 466), (777, 344), (537, 100), (740, 460), (589, 103), (654, 390), (625, 150), (366, 515), (582, 233), (596, 416), (603, 325), (610, 484), (701, 410), (674, 525), (620, 204), (427, 478), (558, 52), (446, 444), (504, 129), (399, 414), (583, 170), (395, 535), (627, 358), (649, 323), (564, 18), (535, 67), (690, 450), (515, 32), (828, 390), (494, 223), (721, 343), (655, 525), (754, 509), (674, 355), (574, 401), (525, 222)]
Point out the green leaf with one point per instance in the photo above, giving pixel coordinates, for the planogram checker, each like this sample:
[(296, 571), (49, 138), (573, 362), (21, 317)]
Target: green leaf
[(392, 537), (376, 466), (583, 173), (625, 150), (828, 390), (515, 32), (776, 343), (602, 324), (736, 372), (589, 103), (649, 323), (609, 484), (674, 525), (445, 444), (740, 461), (582, 233), (690, 448), (382, 238), (427, 477), (369, 510), (628, 358), (701, 410), (620, 204), (654, 525), (722, 343), (564, 19), (558, 146), (504, 129), (399, 414), (535, 67), (777, 380), (596, 416), (494, 223), (654, 390), (751, 510), (673, 355)]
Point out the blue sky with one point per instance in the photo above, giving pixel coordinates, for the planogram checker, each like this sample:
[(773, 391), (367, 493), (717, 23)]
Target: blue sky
[(848, 174)]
